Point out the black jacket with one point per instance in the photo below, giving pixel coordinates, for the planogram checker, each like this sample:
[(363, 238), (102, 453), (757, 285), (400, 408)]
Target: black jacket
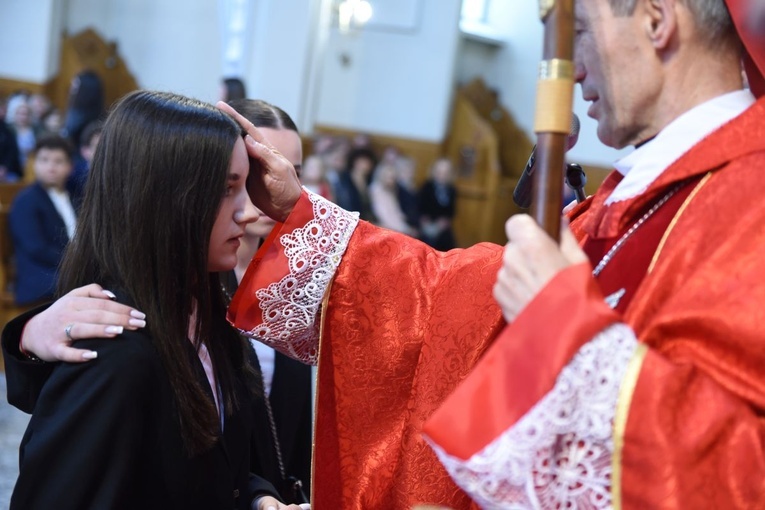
[(105, 434), (292, 406)]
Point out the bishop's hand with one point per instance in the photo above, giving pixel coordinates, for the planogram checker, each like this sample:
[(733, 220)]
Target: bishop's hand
[(273, 184), (531, 260)]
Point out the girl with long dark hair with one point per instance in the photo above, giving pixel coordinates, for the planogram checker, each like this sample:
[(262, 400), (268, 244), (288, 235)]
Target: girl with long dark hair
[(163, 419)]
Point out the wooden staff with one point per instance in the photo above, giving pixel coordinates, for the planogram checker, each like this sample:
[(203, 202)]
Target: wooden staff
[(555, 92)]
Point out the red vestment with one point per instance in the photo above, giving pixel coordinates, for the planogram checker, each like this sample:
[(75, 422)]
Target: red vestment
[(662, 406), (401, 325)]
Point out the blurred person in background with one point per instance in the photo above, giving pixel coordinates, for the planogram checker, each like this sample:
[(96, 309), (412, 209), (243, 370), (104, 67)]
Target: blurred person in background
[(406, 190), (10, 163), (39, 105), (314, 177), (85, 104), (42, 221), (282, 455), (437, 205), (89, 138), (232, 89), (20, 121), (383, 199), (52, 122)]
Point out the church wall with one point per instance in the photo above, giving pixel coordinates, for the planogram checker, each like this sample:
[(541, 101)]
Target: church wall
[(512, 70), (397, 78), (167, 44), (393, 79), (29, 27)]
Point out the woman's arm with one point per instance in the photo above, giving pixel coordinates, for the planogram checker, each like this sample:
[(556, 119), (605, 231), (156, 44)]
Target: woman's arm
[(40, 334), (92, 313)]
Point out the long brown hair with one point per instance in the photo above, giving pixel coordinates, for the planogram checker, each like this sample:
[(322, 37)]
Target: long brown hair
[(159, 174)]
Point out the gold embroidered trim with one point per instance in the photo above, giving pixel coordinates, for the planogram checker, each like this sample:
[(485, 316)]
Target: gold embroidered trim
[(620, 420), (324, 305), (674, 221)]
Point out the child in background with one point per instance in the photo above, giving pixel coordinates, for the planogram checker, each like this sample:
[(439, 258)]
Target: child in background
[(42, 221)]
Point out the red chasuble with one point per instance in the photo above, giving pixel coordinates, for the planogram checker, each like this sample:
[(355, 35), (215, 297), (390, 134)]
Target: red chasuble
[(661, 406), (400, 326)]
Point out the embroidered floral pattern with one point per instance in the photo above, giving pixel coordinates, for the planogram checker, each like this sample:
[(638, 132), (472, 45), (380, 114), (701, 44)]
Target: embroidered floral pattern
[(559, 454), (290, 306)]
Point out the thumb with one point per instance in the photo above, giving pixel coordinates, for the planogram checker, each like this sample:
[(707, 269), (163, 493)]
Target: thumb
[(569, 246), (262, 152), (272, 162)]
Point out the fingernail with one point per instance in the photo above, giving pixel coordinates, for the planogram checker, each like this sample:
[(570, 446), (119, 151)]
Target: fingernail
[(109, 294), (138, 323), (138, 315), (90, 355), (113, 330), (250, 141)]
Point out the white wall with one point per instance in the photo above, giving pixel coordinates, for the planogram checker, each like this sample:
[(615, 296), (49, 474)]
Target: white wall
[(29, 38), (392, 79), (169, 45), (399, 79), (176, 45), (281, 52), (512, 70)]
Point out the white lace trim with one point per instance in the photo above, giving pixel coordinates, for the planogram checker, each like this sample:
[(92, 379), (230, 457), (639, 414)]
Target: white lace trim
[(559, 454), (290, 305)]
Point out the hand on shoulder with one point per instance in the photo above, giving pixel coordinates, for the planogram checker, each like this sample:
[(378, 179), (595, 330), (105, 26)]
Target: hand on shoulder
[(85, 312)]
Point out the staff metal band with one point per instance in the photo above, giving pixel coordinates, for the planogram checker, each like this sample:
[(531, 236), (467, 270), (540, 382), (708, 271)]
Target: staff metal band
[(555, 96)]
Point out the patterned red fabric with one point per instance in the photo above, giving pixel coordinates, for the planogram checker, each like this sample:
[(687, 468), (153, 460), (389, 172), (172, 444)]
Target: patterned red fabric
[(403, 325), (481, 409), (696, 428), (695, 433)]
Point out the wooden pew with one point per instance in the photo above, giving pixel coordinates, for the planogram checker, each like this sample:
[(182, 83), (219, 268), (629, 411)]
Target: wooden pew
[(488, 150), (8, 192)]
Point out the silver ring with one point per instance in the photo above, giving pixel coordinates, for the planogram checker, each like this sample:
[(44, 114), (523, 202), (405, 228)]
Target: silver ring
[(68, 331)]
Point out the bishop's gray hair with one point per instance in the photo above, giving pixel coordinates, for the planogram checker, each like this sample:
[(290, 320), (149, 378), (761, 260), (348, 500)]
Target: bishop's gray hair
[(712, 16)]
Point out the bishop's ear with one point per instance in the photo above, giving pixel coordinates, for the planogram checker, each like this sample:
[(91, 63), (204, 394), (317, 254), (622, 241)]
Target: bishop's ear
[(660, 20)]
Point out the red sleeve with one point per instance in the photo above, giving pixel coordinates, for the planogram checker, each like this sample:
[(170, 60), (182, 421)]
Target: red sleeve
[(523, 364), (278, 299)]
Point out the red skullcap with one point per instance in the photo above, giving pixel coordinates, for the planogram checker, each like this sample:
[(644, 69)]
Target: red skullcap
[(754, 43)]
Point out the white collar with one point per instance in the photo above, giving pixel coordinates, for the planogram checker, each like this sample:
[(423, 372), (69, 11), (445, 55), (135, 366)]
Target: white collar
[(643, 165)]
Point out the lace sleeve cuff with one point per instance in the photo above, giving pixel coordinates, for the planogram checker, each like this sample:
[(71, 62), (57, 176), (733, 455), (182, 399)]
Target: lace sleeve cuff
[(279, 297), (558, 455)]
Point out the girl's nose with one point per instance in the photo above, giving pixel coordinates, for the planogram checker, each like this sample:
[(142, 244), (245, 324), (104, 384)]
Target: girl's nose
[(248, 213)]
